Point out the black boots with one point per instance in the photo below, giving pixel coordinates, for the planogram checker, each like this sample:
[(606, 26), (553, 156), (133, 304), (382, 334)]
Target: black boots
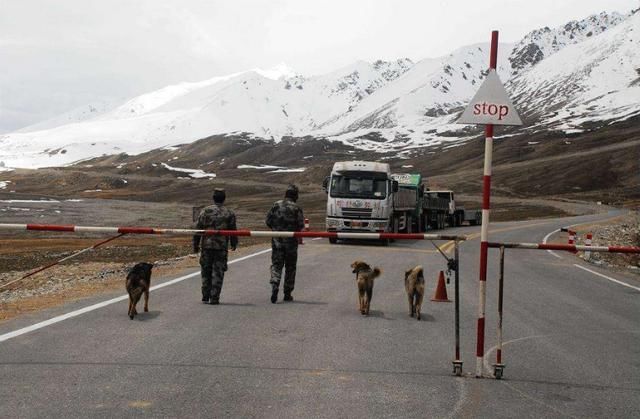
[(274, 294), (287, 296), (215, 296)]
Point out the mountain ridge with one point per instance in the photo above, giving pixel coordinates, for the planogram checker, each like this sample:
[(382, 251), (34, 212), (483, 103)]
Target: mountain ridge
[(379, 106)]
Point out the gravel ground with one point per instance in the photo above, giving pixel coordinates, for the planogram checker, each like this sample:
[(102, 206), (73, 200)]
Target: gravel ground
[(622, 231)]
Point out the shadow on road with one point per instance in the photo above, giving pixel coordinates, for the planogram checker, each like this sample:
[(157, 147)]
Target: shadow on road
[(143, 317), (378, 314), (424, 317), (313, 303)]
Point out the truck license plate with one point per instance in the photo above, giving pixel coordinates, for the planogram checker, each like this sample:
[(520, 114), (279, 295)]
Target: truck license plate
[(356, 224)]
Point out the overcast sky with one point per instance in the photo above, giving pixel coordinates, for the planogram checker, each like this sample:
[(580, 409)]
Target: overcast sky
[(56, 55)]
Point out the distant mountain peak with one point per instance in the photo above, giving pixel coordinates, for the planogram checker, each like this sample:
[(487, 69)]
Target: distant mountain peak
[(544, 42), (277, 72)]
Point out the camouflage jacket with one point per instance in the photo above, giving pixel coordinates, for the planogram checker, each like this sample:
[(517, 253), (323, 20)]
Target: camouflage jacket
[(215, 217), (285, 215)]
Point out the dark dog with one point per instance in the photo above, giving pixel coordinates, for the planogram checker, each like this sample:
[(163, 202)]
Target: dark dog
[(364, 278), (414, 284), (138, 282)]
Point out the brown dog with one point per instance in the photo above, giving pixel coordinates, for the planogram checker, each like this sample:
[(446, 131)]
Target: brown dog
[(138, 282), (414, 284), (364, 278)]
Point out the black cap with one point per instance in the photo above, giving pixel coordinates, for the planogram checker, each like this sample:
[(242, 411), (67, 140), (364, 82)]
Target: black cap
[(219, 195), (291, 192)]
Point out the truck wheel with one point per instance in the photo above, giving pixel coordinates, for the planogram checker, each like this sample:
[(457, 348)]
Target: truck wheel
[(409, 226), (333, 240)]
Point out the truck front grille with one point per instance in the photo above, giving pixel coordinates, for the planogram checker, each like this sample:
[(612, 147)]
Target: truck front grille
[(356, 212)]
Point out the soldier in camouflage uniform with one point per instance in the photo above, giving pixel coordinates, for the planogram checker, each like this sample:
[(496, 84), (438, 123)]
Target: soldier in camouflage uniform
[(285, 215), (213, 256)]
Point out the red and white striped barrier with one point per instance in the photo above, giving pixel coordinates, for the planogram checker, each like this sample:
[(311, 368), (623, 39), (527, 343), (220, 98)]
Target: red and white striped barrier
[(237, 233), (567, 247)]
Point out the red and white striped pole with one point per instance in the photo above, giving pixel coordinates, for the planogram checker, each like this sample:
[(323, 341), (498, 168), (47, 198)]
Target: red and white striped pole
[(572, 238), (587, 242), (484, 231)]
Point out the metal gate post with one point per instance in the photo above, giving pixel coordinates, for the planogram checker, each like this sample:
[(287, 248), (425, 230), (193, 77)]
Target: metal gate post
[(457, 363), (498, 367)]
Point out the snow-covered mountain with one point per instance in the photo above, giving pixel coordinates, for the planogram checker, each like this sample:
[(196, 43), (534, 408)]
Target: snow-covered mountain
[(559, 78), (542, 43)]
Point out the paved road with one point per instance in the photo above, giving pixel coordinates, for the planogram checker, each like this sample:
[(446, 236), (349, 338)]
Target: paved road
[(572, 344)]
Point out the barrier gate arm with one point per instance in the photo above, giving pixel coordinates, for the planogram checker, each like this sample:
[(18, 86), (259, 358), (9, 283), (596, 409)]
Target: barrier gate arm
[(567, 247), (237, 233)]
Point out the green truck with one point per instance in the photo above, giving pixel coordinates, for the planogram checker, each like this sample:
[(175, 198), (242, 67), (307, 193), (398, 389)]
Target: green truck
[(416, 208)]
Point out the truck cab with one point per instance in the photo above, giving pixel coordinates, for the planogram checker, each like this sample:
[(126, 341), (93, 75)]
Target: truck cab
[(359, 197)]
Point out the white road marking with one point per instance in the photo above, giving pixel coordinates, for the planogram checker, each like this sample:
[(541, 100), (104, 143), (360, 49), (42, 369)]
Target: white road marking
[(78, 312), (606, 277), (545, 241)]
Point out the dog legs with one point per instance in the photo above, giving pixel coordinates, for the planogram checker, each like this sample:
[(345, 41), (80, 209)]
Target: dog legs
[(412, 307), (130, 307), (146, 301), (368, 300), (418, 305), (134, 297), (361, 300)]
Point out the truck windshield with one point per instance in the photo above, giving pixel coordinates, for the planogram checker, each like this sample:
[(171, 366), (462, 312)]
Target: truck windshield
[(358, 187)]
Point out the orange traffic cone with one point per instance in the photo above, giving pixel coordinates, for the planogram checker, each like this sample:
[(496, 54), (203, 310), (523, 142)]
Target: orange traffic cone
[(441, 290)]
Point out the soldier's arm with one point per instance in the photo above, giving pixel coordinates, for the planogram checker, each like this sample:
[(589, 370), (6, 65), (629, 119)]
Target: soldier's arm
[(300, 220), (269, 220), (196, 237), (232, 226)]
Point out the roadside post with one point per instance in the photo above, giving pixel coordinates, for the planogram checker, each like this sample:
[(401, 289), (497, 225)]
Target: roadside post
[(490, 106), (457, 363), (498, 367), (454, 265)]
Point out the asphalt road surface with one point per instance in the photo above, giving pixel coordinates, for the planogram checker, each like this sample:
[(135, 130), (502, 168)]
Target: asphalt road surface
[(572, 343)]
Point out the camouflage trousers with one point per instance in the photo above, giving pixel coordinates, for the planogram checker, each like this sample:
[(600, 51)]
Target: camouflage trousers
[(284, 254), (213, 264)]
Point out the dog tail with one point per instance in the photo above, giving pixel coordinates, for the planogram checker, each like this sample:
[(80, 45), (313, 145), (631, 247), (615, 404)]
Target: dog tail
[(377, 272), (419, 274)]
